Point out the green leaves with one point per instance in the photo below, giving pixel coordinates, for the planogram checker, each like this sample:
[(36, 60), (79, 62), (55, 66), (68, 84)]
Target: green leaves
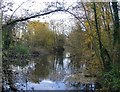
[(21, 49), (111, 79)]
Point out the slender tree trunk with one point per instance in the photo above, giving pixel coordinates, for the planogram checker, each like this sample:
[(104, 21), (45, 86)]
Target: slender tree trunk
[(106, 26), (91, 34), (116, 34), (6, 38), (103, 51)]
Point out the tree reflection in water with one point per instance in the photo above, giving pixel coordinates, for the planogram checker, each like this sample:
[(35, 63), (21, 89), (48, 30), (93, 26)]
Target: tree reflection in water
[(41, 70)]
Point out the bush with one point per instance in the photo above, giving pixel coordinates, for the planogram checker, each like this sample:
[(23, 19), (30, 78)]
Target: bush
[(21, 49), (111, 79)]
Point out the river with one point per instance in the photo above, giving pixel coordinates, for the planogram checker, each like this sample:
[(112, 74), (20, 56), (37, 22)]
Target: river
[(50, 72)]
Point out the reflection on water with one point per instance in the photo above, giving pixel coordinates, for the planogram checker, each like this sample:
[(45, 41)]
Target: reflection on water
[(49, 73), (42, 85)]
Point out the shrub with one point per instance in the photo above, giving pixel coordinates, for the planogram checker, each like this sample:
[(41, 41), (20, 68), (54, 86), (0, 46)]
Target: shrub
[(21, 49), (111, 79)]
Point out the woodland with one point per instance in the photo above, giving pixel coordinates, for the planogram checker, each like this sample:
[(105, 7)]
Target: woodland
[(94, 39)]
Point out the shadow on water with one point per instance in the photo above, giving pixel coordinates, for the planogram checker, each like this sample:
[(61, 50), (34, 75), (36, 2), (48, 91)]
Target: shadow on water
[(50, 72)]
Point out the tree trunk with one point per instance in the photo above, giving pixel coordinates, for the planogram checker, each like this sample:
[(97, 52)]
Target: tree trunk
[(105, 57), (6, 38), (116, 35)]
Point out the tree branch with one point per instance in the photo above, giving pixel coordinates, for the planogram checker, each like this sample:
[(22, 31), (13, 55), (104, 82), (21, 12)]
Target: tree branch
[(33, 16), (16, 10), (77, 18)]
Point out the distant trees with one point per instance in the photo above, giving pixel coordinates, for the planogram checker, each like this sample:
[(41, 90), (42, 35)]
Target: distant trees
[(39, 35)]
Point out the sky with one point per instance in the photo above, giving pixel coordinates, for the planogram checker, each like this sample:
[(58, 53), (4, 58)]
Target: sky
[(37, 5)]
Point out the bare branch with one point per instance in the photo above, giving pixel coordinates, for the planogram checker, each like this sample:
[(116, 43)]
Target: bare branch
[(17, 9), (34, 16), (77, 19)]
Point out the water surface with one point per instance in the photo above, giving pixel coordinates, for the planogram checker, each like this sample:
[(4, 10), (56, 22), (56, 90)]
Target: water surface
[(50, 72)]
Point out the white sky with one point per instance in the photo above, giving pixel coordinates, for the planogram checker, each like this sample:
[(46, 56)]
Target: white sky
[(40, 5), (37, 5)]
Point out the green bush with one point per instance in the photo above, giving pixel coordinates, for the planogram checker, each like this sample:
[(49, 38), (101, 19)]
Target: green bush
[(111, 79), (21, 49)]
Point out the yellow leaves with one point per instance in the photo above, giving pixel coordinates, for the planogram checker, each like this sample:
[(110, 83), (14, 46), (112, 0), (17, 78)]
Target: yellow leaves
[(40, 35), (88, 40), (88, 37), (86, 24), (37, 26)]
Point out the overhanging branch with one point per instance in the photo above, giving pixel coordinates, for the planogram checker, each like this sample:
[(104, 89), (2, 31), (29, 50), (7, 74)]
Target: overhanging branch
[(33, 16)]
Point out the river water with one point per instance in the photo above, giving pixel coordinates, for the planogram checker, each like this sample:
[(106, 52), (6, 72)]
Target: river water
[(50, 72)]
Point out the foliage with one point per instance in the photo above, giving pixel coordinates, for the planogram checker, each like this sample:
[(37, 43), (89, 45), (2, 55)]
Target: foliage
[(60, 40), (40, 36), (79, 44), (76, 39), (111, 79), (21, 50)]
